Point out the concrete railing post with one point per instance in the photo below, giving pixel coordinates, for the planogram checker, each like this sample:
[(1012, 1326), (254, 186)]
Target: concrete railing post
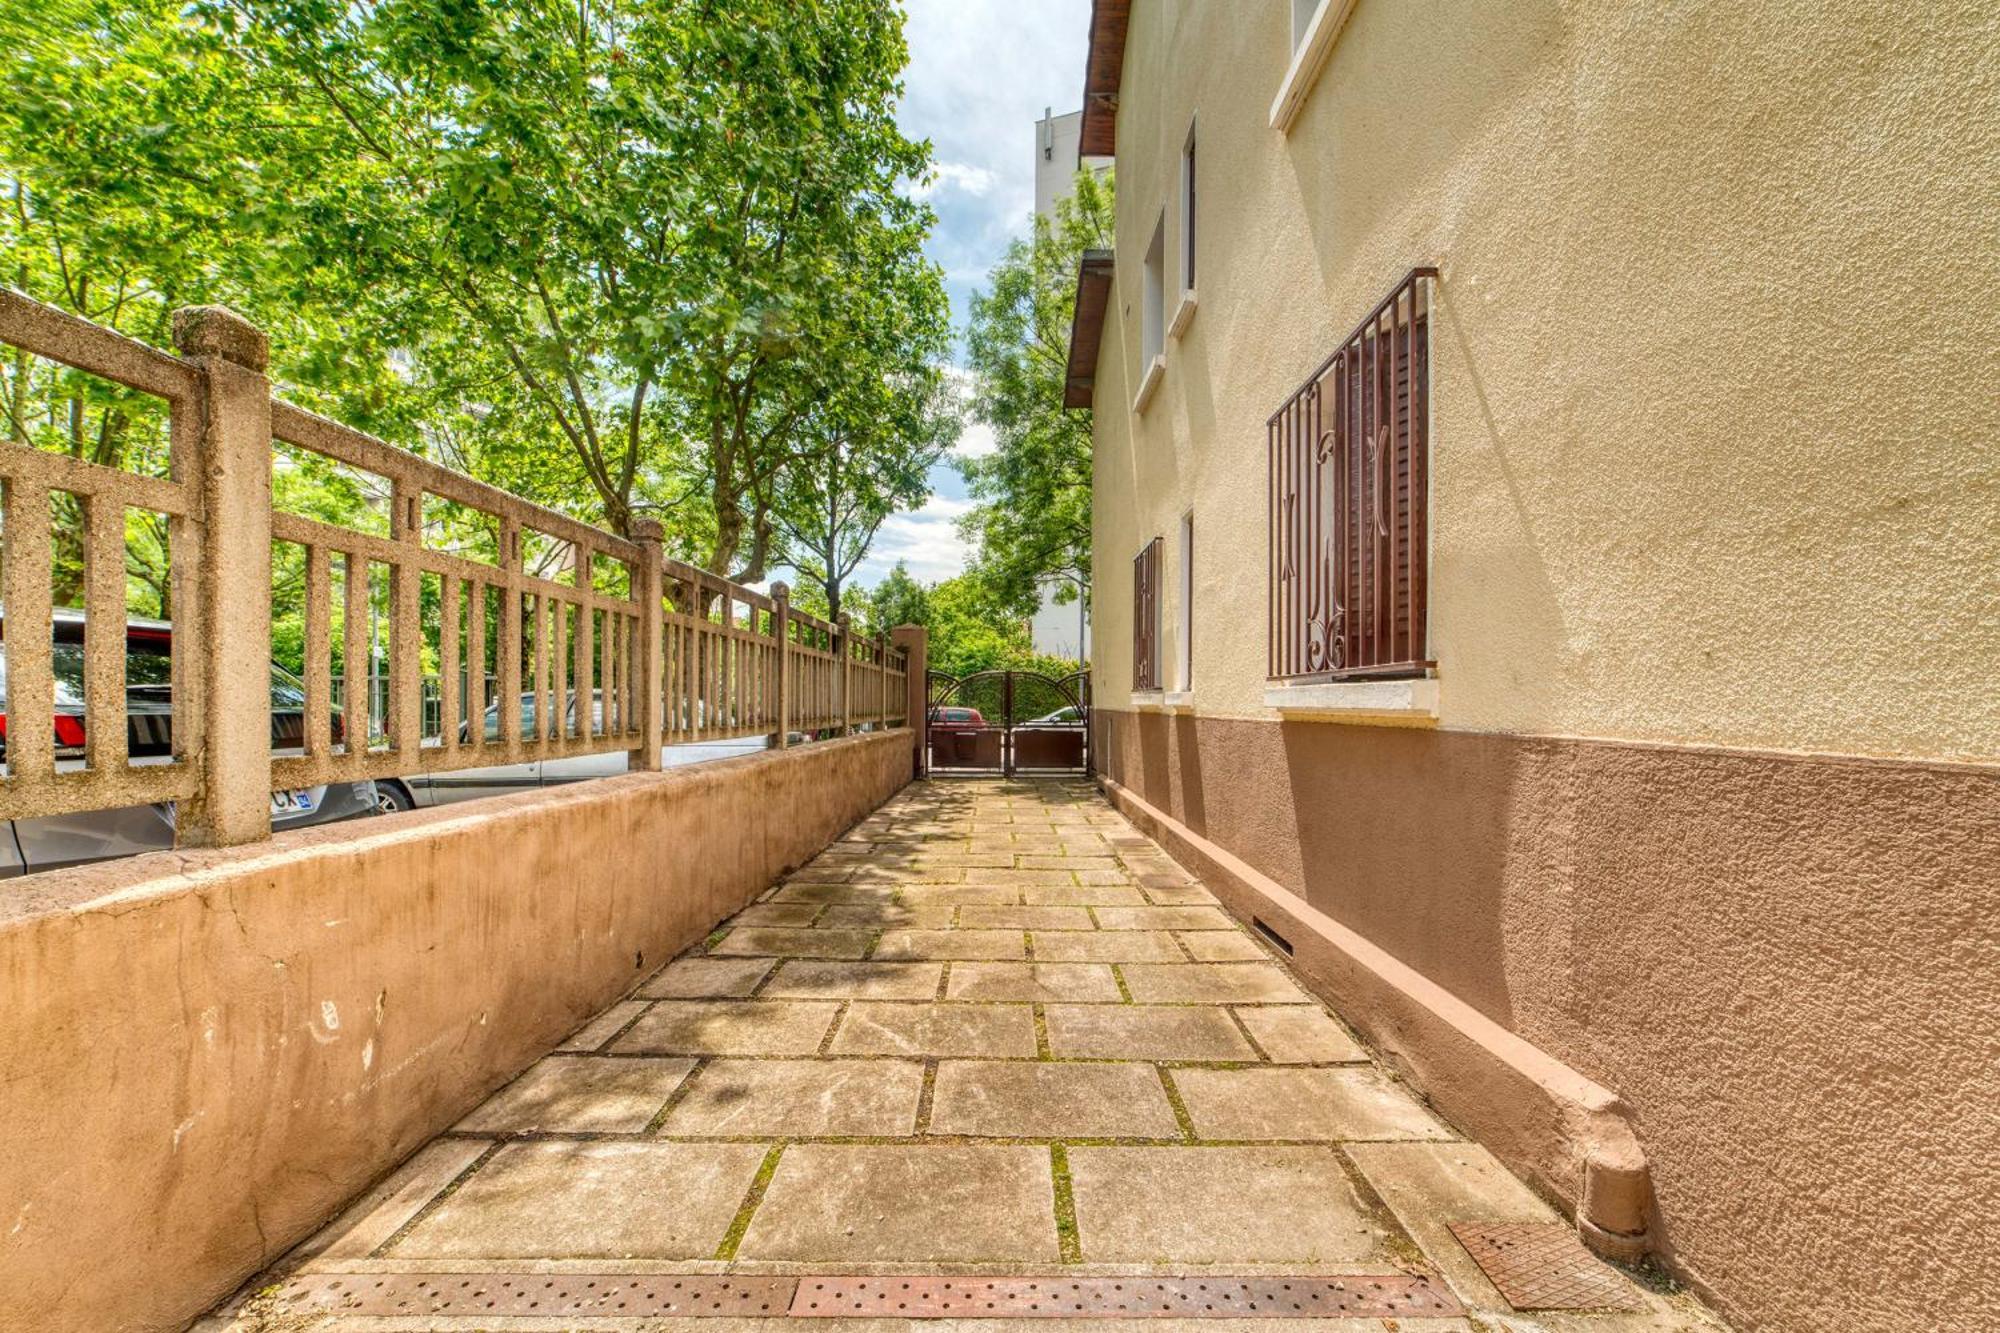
[(915, 641), (406, 635), (781, 628), (843, 647), (648, 588), (228, 632)]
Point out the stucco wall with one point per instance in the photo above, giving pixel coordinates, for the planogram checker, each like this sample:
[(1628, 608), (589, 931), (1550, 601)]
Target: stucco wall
[(1717, 334), (1801, 1012), (205, 1054)]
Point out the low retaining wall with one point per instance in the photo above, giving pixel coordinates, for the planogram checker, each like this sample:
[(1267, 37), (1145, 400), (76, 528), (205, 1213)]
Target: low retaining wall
[(1782, 965), (204, 1054)]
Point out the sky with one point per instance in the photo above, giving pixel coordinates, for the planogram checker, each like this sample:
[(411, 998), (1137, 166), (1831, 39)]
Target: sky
[(981, 74)]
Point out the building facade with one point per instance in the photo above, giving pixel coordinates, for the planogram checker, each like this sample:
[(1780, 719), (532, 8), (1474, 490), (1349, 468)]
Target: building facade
[(1547, 539)]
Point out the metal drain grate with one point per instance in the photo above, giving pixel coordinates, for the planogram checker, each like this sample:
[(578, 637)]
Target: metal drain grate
[(517, 1295), (1361, 1297), (1543, 1266)]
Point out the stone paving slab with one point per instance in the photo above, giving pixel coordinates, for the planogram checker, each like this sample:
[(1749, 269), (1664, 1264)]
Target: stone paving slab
[(1163, 918), (706, 978), (1222, 946), (1118, 893), (990, 1030), (799, 1098), (1034, 1099), (1033, 981), (1013, 917), (590, 1200), (1107, 946), (831, 1203), (580, 1094), (592, 1035), (1300, 1035), (1221, 1205), (730, 1027), (1144, 1032), (953, 944), (1303, 1104), (774, 942), (887, 916), (856, 981), (994, 1030), (1212, 983)]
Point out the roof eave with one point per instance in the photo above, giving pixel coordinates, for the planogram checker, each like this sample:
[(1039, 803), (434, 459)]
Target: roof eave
[(1086, 327), (1103, 73)]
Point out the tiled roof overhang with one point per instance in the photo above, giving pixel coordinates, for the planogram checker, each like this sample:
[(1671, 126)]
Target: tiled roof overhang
[(1101, 78), (1086, 326)]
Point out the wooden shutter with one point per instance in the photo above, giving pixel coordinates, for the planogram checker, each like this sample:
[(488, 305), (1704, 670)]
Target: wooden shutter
[(1349, 490), (1146, 617)]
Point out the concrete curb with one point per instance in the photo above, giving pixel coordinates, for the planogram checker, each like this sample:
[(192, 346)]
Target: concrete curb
[(1569, 1136)]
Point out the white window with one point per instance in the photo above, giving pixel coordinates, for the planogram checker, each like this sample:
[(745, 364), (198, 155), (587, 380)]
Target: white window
[(1315, 25), (1187, 213), (1153, 334), (1185, 252), (1184, 649), (1302, 17), (1153, 317)]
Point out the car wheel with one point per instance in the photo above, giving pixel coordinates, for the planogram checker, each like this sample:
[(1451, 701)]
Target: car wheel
[(391, 798)]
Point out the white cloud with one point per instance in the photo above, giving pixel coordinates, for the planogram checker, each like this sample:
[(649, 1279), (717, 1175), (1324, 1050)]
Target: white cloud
[(976, 441), (926, 540), (975, 181)]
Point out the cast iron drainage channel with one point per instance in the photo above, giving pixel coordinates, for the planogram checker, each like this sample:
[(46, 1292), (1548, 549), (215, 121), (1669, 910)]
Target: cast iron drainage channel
[(527, 1295)]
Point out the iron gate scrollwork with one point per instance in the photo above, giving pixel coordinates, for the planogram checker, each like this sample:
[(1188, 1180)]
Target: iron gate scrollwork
[(1009, 722)]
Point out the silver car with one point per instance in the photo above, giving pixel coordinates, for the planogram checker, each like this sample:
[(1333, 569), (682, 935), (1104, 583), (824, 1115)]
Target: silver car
[(54, 841), (427, 789)]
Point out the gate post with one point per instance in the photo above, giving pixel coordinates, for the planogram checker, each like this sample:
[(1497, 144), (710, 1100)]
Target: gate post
[(228, 636), (914, 640)]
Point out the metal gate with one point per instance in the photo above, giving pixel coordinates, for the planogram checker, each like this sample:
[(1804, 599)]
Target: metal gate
[(1009, 722)]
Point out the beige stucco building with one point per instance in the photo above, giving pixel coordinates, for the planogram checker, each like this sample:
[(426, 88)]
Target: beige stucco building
[(1604, 705)]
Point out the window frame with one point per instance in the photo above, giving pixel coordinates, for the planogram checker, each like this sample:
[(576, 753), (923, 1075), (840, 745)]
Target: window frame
[(1311, 46), (1187, 271)]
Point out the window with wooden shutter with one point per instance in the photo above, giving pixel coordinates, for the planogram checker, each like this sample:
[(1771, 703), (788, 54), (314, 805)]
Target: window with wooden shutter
[(1349, 498), (1146, 617)]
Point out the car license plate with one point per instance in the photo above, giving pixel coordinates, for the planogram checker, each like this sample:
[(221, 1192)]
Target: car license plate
[(292, 802)]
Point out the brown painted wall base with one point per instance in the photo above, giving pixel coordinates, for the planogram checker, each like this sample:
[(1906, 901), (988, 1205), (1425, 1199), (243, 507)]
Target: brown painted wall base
[(1787, 967), (205, 1054)]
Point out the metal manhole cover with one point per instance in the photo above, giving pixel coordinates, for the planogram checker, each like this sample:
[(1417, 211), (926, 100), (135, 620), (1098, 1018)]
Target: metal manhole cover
[(516, 1295), (1358, 1297), (1543, 1266)]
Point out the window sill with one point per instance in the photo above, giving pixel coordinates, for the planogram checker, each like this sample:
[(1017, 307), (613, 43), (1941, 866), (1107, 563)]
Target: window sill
[(1308, 61), (1183, 315), (1163, 701), (1149, 383), (1376, 703)]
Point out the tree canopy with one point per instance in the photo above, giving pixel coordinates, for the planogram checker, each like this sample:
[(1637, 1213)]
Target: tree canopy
[(1031, 523), (633, 259)]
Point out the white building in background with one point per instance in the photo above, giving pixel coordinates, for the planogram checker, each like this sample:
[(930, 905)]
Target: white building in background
[(1060, 630)]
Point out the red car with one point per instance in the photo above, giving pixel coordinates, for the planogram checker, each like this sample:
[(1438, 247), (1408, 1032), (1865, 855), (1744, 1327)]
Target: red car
[(957, 719)]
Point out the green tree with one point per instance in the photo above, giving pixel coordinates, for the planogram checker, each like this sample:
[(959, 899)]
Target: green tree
[(876, 443), (1031, 522), (971, 630)]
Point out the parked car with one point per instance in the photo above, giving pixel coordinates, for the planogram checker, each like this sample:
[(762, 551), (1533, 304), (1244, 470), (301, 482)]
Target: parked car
[(1062, 717), (957, 719), (417, 790), (52, 841)]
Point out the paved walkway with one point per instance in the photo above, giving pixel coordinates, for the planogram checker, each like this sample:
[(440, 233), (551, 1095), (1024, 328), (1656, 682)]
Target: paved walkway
[(991, 1032)]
